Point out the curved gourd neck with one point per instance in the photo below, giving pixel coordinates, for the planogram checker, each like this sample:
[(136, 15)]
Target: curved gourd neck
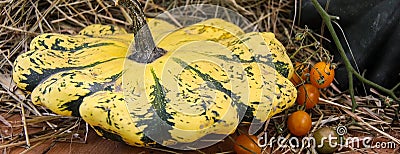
[(143, 49)]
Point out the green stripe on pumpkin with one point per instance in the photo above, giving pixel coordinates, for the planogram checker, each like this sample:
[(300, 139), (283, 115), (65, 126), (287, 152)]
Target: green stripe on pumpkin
[(159, 101), (241, 107)]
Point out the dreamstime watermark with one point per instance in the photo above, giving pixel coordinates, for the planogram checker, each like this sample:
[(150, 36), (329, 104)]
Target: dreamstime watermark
[(332, 141)]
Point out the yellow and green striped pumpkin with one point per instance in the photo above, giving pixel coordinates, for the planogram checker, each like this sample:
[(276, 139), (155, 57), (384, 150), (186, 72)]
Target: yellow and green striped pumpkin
[(212, 63)]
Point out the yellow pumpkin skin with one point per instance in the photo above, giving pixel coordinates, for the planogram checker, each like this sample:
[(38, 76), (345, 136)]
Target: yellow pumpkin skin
[(51, 53), (63, 92), (280, 59), (105, 91), (112, 119), (87, 61), (54, 56)]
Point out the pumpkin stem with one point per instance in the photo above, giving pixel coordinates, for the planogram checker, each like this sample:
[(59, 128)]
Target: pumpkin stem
[(144, 50)]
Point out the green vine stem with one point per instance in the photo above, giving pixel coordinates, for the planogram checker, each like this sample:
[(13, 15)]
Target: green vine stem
[(302, 47), (143, 49), (350, 69)]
